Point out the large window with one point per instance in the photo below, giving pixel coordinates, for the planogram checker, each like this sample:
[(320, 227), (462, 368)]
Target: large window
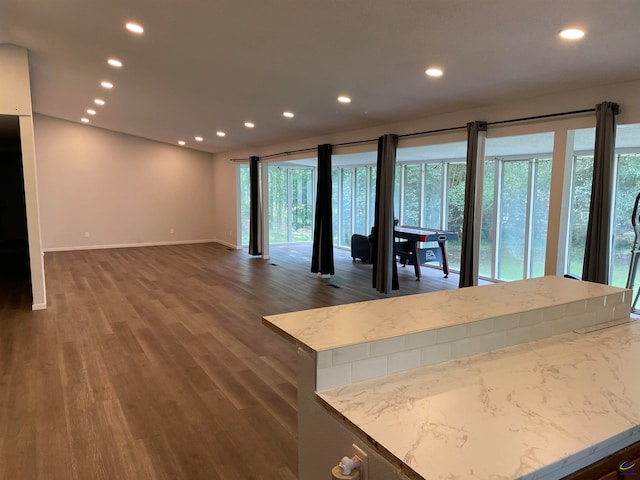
[(291, 203), (353, 202), (627, 187), (515, 207), (245, 203), (581, 176), (429, 193)]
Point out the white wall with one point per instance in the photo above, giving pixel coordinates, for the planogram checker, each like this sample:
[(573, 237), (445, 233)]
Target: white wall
[(123, 190), (627, 95), (15, 99)]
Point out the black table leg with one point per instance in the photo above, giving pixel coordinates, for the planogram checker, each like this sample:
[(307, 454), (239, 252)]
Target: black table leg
[(445, 259)]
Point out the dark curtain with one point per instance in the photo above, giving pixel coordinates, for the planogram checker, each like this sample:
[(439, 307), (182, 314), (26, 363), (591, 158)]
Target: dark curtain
[(255, 209), (468, 262), (598, 242), (322, 257), (385, 269)]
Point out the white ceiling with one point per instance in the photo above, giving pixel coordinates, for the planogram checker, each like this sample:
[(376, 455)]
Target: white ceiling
[(203, 66)]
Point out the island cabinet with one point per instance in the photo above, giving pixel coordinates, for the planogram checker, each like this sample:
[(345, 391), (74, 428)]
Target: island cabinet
[(534, 380), (624, 464)]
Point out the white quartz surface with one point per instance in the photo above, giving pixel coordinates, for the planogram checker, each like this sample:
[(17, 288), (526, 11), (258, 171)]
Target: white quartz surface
[(332, 327), (523, 412)]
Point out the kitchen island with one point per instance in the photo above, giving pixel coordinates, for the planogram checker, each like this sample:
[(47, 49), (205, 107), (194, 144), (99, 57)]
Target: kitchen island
[(531, 379)]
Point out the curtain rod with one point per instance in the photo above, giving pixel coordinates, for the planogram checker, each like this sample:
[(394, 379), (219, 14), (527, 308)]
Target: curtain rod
[(428, 132), (539, 117)]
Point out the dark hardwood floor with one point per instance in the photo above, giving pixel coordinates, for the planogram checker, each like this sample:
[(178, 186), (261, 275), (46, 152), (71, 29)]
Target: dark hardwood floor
[(153, 363)]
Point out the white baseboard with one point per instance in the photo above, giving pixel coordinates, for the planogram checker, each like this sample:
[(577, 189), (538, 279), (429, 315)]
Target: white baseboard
[(127, 245), (39, 306), (227, 244)]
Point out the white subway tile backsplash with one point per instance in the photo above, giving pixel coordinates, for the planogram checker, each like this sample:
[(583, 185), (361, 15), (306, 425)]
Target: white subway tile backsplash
[(435, 354), (575, 308), (565, 324), (350, 354), (345, 365), (333, 376), (530, 317), (493, 341), (604, 315), (451, 334), (482, 327), (595, 304), (507, 322), (388, 345), (402, 361), (587, 319), (324, 359), (622, 310), (369, 368), (614, 299), (542, 330), (553, 313), (518, 335), (465, 347), (421, 339)]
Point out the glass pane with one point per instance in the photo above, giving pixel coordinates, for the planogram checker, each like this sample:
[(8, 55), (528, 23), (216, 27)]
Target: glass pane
[(278, 205), (335, 203), (432, 196), (515, 206), (512, 221), (360, 202), (627, 188), (372, 198), (347, 203), (396, 191), (579, 212), (245, 205), (540, 216), (301, 204), (581, 176), (411, 196), (487, 236), (456, 175)]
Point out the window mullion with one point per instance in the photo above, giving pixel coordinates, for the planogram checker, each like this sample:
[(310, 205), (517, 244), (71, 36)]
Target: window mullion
[(526, 272), (497, 217), (444, 212)]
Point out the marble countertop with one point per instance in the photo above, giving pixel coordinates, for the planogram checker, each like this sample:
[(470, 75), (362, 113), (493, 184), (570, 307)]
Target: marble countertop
[(531, 411), (338, 326)]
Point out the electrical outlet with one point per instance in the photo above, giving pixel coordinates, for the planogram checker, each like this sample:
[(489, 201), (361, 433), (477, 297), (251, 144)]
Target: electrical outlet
[(364, 461), (172, 231), (86, 234)]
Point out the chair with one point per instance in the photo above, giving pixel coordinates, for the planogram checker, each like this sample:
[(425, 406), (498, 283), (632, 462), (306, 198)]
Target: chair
[(360, 248)]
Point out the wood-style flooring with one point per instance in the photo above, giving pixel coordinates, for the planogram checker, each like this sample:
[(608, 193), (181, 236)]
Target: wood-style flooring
[(153, 363)]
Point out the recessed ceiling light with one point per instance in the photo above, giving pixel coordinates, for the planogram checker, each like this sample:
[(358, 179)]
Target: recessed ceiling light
[(572, 34), (91, 111), (433, 72), (220, 134), (114, 62), (199, 139), (134, 27), (344, 99), (249, 124), (107, 85), (182, 143), (98, 101), (288, 114), (84, 120)]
